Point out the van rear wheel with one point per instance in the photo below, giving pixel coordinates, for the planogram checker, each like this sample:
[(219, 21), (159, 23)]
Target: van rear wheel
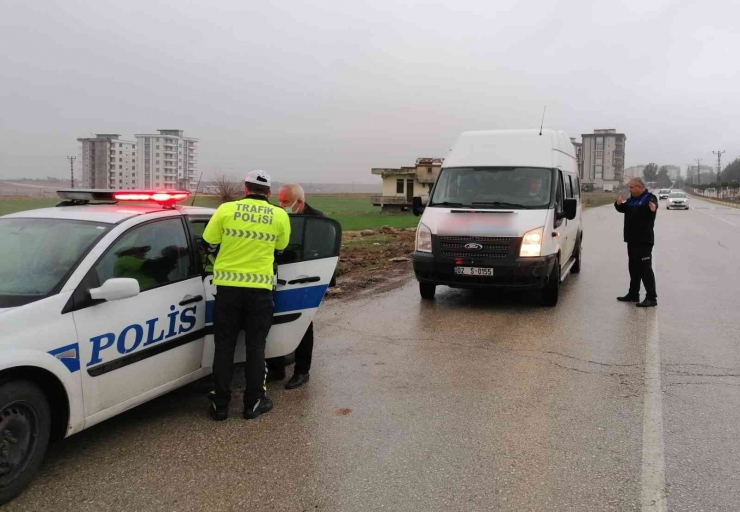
[(551, 291), (427, 290)]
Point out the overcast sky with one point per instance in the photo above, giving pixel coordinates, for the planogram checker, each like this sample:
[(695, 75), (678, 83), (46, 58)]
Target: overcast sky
[(322, 91)]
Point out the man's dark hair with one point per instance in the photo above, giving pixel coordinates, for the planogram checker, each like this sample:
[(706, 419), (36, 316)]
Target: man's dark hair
[(260, 190)]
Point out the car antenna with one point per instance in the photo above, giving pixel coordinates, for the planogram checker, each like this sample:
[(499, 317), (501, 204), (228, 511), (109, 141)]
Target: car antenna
[(196, 189), (543, 119)]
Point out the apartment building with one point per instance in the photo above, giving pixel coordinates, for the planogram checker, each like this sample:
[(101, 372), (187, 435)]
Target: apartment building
[(167, 159), (603, 158), (108, 162)]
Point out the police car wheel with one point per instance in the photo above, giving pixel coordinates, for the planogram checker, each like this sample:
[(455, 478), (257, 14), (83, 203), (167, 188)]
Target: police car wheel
[(25, 424)]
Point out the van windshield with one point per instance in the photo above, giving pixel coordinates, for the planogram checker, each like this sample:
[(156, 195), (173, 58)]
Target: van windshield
[(494, 187)]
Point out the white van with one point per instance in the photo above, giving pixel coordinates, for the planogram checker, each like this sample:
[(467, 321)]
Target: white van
[(505, 212)]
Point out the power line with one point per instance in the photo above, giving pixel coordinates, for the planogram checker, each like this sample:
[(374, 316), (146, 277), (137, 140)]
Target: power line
[(719, 168), (698, 171), (72, 170)]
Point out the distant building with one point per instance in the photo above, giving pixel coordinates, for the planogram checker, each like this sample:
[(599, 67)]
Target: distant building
[(402, 184), (603, 158), (108, 162), (167, 159), (674, 171), (634, 171)]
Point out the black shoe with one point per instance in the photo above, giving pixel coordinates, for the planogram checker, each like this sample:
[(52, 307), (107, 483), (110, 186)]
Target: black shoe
[(297, 380), (262, 406), (218, 414), (647, 303), (629, 298)]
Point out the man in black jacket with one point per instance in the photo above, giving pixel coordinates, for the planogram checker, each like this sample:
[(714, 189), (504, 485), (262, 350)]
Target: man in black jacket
[(293, 199), (639, 212)]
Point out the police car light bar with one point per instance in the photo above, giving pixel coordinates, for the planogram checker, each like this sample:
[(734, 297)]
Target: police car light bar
[(168, 197), (164, 197)]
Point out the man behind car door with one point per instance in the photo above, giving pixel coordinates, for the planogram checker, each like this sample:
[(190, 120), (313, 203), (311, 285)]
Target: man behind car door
[(249, 231)]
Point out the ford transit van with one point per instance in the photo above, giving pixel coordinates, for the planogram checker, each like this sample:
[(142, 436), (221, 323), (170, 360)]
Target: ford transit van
[(504, 213)]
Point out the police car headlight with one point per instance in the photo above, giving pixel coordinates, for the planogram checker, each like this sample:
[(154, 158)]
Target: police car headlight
[(532, 244), (423, 238)]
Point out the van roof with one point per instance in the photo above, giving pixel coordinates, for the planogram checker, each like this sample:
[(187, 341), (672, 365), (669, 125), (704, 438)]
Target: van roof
[(511, 148)]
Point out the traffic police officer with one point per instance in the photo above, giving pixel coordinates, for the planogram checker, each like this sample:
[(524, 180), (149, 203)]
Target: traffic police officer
[(639, 212), (248, 231)]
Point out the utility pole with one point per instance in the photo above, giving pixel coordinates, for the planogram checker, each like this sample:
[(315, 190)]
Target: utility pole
[(719, 169), (72, 170)]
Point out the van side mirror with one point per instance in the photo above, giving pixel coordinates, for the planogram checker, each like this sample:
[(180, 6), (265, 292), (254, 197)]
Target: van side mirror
[(416, 206), (116, 288), (570, 207)]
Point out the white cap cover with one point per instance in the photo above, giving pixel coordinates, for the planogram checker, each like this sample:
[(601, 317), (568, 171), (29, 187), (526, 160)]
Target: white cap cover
[(258, 178)]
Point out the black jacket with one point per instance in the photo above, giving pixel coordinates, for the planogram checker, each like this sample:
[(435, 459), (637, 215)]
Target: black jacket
[(639, 220), (312, 211)]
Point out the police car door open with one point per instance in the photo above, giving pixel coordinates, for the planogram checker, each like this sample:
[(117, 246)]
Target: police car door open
[(305, 269)]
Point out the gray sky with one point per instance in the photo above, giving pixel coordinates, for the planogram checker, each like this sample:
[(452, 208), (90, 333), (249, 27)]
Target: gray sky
[(322, 91)]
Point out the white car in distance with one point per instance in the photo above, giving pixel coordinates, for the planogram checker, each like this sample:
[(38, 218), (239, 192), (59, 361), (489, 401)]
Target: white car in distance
[(677, 200)]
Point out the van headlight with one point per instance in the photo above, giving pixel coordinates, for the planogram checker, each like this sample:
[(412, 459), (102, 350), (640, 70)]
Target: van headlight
[(423, 238), (532, 244)]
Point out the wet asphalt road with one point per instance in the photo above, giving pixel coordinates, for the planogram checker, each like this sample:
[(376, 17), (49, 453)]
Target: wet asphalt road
[(465, 403)]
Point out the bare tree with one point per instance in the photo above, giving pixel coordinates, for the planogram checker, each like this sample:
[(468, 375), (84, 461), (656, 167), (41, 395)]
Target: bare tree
[(228, 188)]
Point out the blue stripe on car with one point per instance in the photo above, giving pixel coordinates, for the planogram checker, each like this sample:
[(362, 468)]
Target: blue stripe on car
[(69, 355), (286, 300)]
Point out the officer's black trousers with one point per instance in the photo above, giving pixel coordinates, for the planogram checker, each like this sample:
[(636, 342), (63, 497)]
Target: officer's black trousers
[(641, 269), (237, 309), (303, 356)]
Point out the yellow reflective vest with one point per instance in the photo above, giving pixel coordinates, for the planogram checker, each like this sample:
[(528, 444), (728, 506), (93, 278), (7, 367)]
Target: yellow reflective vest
[(249, 232)]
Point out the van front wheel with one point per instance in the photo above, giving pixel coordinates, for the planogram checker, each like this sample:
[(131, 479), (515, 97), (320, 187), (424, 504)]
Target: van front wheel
[(551, 291), (427, 290)]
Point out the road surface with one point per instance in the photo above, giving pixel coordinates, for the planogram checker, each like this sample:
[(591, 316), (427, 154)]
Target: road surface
[(465, 403)]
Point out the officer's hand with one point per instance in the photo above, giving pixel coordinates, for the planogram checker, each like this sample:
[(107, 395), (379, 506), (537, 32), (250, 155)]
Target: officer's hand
[(653, 207), (620, 199)]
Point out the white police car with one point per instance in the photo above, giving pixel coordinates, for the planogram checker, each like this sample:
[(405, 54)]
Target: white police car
[(106, 304)]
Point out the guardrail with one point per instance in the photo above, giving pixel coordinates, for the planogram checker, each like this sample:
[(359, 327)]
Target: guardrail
[(712, 200)]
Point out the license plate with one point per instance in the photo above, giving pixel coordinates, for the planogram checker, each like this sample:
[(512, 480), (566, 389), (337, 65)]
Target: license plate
[(473, 271)]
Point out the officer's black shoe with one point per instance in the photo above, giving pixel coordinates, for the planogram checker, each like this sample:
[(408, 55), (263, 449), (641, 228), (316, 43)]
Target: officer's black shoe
[(297, 380), (262, 406), (217, 413), (629, 298), (647, 303)]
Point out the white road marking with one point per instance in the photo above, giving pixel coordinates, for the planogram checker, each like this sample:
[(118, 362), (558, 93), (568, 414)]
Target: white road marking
[(653, 497), (718, 218)]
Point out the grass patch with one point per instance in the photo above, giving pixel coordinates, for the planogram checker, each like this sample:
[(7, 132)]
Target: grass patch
[(594, 199), (8, 206)]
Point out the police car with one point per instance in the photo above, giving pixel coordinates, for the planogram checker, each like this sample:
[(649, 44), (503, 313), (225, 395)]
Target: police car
[(106, 302)]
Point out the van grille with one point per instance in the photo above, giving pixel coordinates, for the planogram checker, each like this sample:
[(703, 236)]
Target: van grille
[(492, 247)]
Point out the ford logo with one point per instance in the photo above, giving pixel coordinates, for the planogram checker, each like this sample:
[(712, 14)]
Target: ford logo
[(473, 247)]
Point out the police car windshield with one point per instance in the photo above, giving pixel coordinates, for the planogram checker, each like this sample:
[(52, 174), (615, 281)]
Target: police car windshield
[(37, 255), (494, 187)]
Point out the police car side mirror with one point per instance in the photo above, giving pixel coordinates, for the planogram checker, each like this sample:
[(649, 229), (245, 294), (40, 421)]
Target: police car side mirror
[(116, 288)]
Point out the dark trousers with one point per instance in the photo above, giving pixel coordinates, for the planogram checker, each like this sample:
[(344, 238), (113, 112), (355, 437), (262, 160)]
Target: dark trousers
[(237, 309), (641, 269), (303, 356)]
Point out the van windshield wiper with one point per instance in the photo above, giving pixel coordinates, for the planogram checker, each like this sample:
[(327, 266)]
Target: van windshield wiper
[(502, 204), (447, 203)]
